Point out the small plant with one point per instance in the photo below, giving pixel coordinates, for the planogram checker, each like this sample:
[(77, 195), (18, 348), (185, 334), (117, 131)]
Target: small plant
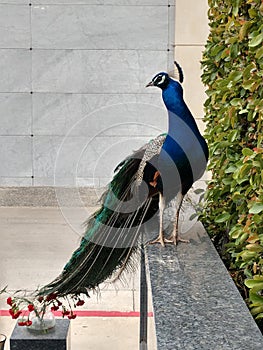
[(25, 307)]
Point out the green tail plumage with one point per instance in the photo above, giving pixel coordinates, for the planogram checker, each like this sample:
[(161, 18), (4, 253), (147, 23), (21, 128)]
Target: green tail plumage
[(111, 236)]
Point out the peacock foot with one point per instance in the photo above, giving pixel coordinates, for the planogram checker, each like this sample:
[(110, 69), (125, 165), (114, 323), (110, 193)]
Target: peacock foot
[(175, 239), (162, 240)]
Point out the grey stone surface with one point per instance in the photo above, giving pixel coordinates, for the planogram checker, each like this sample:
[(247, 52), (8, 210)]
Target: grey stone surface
[(95, 71), (91, 27), (62, 61), (55, 339), (15, 26), (196, 304), (15, 111), (49, 196), (15, 66), (15, 157)]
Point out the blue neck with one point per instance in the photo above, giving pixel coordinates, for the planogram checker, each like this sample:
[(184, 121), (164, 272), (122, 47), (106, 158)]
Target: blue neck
[(174, 102)]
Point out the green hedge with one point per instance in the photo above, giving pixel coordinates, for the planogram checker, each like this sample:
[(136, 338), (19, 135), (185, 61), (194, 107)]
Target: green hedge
[(232, 72)]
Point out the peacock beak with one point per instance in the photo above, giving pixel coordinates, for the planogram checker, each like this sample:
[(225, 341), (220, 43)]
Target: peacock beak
[(150, 84)]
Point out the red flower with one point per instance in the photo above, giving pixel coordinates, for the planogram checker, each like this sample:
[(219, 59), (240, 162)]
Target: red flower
[(72, 316), (21, 323), (15, 315), (54, 308), (9, 301), (51, 296), (31, 307), (80, 302), (28, 323)]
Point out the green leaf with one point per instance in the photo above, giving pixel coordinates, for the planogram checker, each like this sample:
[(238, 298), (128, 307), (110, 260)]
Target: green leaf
[(252, 12), (247, 152), (256, 208), (257, 310), (246, 255), (236, 101), (244, 30), (254, 247), (235, 232), (259, 53), (222, 217), (233, 135), (250, 283), (231, 169), (256, 40), (256, 299)]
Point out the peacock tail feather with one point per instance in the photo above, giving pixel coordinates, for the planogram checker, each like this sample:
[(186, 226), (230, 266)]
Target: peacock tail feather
[(112, 233)]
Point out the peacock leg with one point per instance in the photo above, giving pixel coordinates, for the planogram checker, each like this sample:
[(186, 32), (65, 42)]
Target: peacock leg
[(175, 238), (161, 239)]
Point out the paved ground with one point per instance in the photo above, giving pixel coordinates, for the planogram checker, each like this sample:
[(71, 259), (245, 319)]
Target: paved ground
[(35, 244)]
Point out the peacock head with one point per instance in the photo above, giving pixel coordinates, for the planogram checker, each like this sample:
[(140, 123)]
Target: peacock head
[(160, 80)]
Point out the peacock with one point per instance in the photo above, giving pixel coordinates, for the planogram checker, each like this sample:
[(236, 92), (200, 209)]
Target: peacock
[(143, 184)]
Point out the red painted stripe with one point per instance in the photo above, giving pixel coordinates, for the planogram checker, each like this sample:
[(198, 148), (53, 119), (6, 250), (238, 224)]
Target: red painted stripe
[(93, 313)]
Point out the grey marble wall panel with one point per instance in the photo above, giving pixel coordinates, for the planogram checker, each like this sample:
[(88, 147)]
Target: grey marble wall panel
[(15, 181), (88, 68), (18, 2), (100, 27), (15, 114), (15, 68), (101, 155), (15, 156), (72, 158), (15, 26), (105, 2), (95, 71), (95, 114)]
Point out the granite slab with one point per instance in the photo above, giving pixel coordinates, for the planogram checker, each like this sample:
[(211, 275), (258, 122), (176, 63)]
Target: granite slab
[(57, 338), (196, 304)]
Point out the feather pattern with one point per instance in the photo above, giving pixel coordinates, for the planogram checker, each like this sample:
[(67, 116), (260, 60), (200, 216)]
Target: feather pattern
[(112, 232)]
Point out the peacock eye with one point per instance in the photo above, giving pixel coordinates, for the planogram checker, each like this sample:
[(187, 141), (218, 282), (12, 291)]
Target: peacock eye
[(159, 79)]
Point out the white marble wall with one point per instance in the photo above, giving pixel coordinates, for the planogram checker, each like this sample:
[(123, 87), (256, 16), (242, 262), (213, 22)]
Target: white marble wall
[(72, 90)]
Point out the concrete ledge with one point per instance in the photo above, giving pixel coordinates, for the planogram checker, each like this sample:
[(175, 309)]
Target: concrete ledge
[(57, 338), (49, 196), (196, 304)]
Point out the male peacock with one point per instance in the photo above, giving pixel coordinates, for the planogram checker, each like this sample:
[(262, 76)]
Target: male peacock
[(165, 167)]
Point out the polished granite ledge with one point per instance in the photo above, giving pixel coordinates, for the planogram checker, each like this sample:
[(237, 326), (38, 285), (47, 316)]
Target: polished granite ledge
[(196, 304)]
